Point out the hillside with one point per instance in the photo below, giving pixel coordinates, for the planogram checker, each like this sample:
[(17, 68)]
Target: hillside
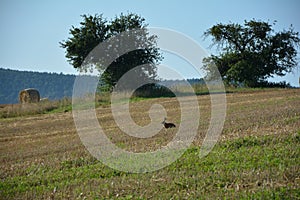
[(50, 85), (256, 157)]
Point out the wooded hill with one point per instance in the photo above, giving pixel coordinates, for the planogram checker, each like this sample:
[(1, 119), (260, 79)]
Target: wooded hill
[(50, 85)]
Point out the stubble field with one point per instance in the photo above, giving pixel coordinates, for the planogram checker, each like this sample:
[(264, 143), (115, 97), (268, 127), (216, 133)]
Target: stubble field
[(257, 155)]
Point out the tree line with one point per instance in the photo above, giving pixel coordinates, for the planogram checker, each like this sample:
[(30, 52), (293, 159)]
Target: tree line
[(249, 53)]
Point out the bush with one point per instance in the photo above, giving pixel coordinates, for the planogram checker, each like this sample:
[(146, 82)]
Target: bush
[(267, 84), (153, 91)]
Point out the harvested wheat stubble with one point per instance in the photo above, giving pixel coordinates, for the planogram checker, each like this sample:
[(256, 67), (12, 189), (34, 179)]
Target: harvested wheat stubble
[(256, 156)]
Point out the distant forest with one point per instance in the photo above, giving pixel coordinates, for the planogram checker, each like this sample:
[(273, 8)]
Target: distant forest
[(50, 85)]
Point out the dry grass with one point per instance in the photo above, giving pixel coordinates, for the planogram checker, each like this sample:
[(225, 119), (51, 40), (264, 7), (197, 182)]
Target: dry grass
[(19, 110), (257, 156)]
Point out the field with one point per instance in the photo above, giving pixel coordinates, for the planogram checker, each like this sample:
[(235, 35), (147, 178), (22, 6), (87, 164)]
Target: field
[(256, 157)]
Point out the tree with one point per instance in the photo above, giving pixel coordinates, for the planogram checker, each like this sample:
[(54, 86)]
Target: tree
[(251, 53), (96, 29)]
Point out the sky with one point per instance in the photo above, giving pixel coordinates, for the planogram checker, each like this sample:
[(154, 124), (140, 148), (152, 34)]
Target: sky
[(30, 31)]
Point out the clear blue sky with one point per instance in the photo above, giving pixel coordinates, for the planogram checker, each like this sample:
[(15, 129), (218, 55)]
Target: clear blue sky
[(30, 31)]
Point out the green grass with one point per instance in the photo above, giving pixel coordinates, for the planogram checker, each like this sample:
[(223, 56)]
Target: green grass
[(244, 168)]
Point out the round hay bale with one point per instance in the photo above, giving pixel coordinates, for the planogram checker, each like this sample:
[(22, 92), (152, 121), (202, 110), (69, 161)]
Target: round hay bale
[(29, 95)]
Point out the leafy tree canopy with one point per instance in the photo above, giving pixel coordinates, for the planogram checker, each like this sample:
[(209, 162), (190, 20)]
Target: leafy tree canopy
[(96, 29), (252, 52)]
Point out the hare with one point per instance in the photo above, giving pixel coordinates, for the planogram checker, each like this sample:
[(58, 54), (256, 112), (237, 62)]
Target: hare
[(168, 125)]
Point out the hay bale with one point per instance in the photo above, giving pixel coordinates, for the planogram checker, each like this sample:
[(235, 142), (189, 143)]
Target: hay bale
[(29, 95)]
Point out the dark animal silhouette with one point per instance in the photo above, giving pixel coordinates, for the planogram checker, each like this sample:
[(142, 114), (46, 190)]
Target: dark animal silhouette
[(168, 125)]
